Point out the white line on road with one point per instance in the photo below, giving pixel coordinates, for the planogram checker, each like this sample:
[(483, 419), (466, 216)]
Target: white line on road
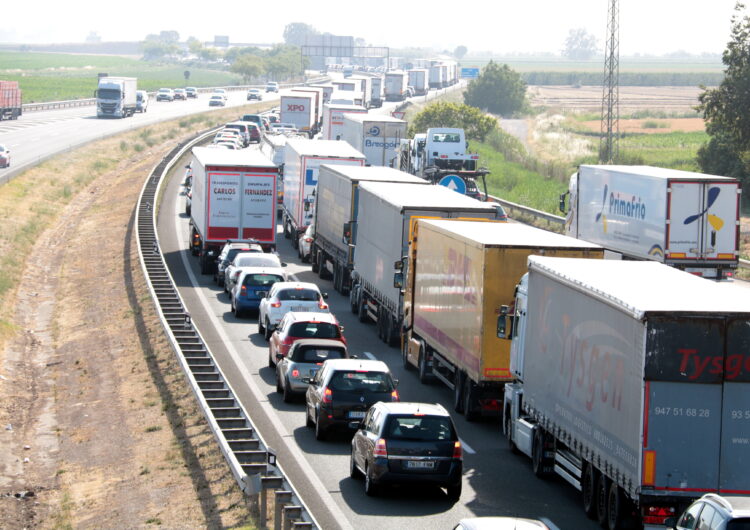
[(467, 447), (369, 355)]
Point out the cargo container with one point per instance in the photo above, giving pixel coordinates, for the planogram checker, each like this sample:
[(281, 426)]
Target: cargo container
[(387, 213), (116, 97), (302, 161), (633, 385), (10, 100), (299, 109), (333, 119), (434, 76), (687, 220), (395, 86), (233, 197), (376, 94), (336, 211), (319, 100), (460, 274), (377, 137), (419, 80)]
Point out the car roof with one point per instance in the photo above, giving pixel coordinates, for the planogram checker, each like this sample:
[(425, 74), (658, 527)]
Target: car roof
[(501, 523), (312, 316), (239, 245), (406, 407), (357, 364), (736, 505), (296, 285), (261, 270), (328, 343)]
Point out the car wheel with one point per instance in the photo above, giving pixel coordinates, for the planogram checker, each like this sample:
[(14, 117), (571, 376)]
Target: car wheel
[(279, 388), (588, 490), (508, 436), (470, 400), (271, 364), (405, 355), (268, 331), (371, 489), (288, 396), (354, 472), (287, 233), (261, 329), (308, 420), (454, 492), (237, 311), (320, 433)]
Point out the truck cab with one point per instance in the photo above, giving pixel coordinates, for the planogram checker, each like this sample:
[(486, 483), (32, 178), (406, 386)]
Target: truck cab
[(447, 149)]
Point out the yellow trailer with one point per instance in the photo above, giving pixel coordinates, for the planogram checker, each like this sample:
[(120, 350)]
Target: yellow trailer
[(459, 275)]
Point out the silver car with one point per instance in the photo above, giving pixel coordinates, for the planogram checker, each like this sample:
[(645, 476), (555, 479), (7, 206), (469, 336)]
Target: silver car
[(305, 358), (250, 259), (288, 296)]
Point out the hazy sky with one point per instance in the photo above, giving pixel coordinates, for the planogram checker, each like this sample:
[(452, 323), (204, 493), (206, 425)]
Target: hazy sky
[(503, 26)]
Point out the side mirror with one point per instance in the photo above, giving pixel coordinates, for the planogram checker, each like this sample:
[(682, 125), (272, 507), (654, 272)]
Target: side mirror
[(398, 280), (279, 357), (284, 264), (562, 202), (347, 237), (325, 296), (398, 265), (502, 322), (395, 382), (341, 329)]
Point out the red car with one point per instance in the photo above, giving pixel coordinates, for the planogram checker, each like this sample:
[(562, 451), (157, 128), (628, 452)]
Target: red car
[(302, 325), (4, 156)]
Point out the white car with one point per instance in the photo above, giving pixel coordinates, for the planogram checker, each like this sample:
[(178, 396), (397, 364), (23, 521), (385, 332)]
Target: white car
[(217, 100), (244, 260), (288, 296), (220, 92), (305, 244)]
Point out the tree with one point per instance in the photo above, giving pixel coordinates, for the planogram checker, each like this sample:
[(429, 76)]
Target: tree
[(725, 108), (473, 121), (459, 52), (580, 45), (498, 89), (248, 66), (296, 33)]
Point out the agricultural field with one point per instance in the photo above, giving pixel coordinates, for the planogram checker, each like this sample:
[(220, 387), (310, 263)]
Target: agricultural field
[(59, 76), (627, 64)]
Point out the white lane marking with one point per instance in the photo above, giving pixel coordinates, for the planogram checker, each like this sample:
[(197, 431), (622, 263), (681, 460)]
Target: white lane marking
[(549, 523), (467, 447), (262, 399), (369, 355)]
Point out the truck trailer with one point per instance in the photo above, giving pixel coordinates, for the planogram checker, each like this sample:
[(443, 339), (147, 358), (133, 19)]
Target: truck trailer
[(10, 100), (116, 97), (687, 220), (233, 197), (385, 225), (336, 212), (460, 274), (395, 85), (632, 384), (378, 137), (319, 94), (419, 79), (376, 93), (298, 108), (302, 161), (333, 118)]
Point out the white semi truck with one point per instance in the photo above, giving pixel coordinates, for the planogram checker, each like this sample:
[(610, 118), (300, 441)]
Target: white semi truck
[(116, 97)]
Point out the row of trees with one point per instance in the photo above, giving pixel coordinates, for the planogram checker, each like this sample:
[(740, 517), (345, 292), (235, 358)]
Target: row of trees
[(281, 62)]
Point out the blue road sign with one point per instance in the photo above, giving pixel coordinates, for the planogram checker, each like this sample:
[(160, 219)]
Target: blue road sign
[(454, 182), (469, 73)]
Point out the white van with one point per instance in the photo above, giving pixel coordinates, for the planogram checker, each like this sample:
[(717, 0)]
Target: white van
[(141, 101)]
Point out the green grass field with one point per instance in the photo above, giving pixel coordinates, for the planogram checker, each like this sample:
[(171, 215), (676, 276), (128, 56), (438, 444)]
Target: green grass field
[(54, 77)]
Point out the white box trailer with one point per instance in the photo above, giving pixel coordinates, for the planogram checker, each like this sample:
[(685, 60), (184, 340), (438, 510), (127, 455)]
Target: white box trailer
[(387, 213), (303, 159), (632, 377), (419, 79), (336, 212), (233, 197), (273, 147), (378, 137), (333, 119), (395, 86), (299, 109), (116, 97), (376, 94), (434, 76), (684, 219)]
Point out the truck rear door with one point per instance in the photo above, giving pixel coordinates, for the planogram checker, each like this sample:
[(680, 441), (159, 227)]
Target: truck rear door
[(703, 220)]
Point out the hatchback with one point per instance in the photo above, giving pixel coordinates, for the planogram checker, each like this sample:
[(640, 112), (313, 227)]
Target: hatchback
[(227, 254), (305, 358), (217, 101), (179, 93), (398, 443), (165, 94), (254, 94), (250, 258), (4, 156), (342, 390), (141, 100), (255, 134), (252, 285), (302, 325), (714, 512), (191, 92), (272, 86), (288, 296)]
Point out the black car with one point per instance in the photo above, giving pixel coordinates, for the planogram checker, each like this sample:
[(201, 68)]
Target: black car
[(342, 390), (399, 443)]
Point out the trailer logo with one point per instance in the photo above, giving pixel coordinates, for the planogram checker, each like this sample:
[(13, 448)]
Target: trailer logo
[(374, 131), (619, 205), (716, 222), (295, 108)]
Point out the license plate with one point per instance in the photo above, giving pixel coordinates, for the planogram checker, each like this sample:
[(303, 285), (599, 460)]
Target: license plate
[(298, 308), (420, 464), (357, 414)]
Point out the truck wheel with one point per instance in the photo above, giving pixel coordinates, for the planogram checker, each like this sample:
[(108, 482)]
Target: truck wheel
[(602, 494), (458, 391), (353, 300), (588, 490), (538, 463), (362, 309), (405, 354), (615, 510), (389, 334), (295, 239), (424, 370), (314, 260), (508, 425), (287, 233), (470, 400), (336, 278)]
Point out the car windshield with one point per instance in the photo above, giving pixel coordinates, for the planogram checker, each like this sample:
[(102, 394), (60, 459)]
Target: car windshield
[(303, 295), (232, 252), (364, 380), (739, 524), (428, 428), (261, 280), (318, 330), (216, 97), (164, 90), (316, 354), (257, 259)]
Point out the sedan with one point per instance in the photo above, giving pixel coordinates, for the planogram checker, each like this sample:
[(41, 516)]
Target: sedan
[(191, 92), (305, 358), (217, 100), (179, 93), (4, 156), (295, 326), (342, 390), (254, 94), (401, 443), (252, 285), (165, 94), (255, 134), (288, 296)]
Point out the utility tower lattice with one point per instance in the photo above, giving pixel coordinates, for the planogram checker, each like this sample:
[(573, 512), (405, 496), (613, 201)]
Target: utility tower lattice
[(608, 147)]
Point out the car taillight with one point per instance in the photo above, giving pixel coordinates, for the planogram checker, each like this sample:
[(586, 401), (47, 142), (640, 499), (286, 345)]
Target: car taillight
[(380, 448), (295, 373), (308, 239), (276, 303), (458, 452), (394, 396), (327, 395), (322, 305), (243, 291), (657, 514)]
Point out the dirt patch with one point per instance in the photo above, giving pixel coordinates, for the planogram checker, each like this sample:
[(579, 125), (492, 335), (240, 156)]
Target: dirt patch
[(589, 98), (652, 125), (97, 425)]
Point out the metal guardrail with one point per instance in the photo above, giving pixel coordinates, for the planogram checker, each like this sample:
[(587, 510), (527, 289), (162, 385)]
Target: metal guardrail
[(252, 464)]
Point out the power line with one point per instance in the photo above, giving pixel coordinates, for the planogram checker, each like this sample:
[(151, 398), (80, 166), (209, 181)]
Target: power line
[(610, 127)]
